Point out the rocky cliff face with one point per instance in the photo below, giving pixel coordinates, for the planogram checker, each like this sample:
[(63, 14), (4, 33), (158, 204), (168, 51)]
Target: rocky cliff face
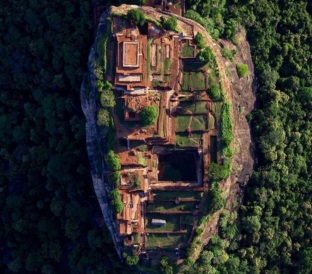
[(240, 91), (93, 140)]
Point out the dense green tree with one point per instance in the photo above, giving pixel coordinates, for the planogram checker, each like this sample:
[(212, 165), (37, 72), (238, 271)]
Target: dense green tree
[(214, 91), (149, 115), (103, 117), (199, 40), (136, 16), (216, 201), (116, 201), (206, 55), (114, 177), (112, 161), (170, 24)]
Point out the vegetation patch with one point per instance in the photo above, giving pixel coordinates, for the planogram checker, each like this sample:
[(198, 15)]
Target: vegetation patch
[(165, 241), (183, 122), (149, 115), (197, 80), (171, 206), (187, 50), (242, 70), (199, 122), (171, 195), (183, 140)]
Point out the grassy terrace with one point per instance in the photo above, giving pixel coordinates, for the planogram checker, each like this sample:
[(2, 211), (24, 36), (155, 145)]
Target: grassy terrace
[(194, 80), (171, 206), (216, 109), (196, 122), (211, 122), (187, 50), (166, 241), (199, 122), (182, 140), (213, 79), (197, 107), (182, 122), (197, 80), (170, 195)]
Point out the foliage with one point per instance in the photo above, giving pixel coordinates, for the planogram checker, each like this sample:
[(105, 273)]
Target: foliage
[(103, 117), (112, 161), (165, 266), (206, 55), (271, 232), (116, 201), (215, 199), (214, 92), (170, 24), (107, 99), (226, 124), (136, 16), (114, 177), (199, 40), (218, 172), (149, 115), (228, 54), (242, 70)]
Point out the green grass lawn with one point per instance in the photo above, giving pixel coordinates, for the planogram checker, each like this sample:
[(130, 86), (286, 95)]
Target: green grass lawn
[(166, 241), (200, 107), (171, 195), (182, 122), (197, 81), (213, 79), (171, 206), (188, 104), (185, 80), (211, 122), (199, 122), (187, 50), (141, 160), (216, 109), (182, 140)]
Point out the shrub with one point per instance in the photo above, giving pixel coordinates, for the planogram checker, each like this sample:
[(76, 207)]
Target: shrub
[(149, 115), (214, 91), (199, 40), (114, 177), (169, 24), (218, 172), (103, 117), (116, 201), (132, 260), (136, 16), (226, 125), (206, 55), (108, 98), (242, 70), (216, 201), (112, 161)]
